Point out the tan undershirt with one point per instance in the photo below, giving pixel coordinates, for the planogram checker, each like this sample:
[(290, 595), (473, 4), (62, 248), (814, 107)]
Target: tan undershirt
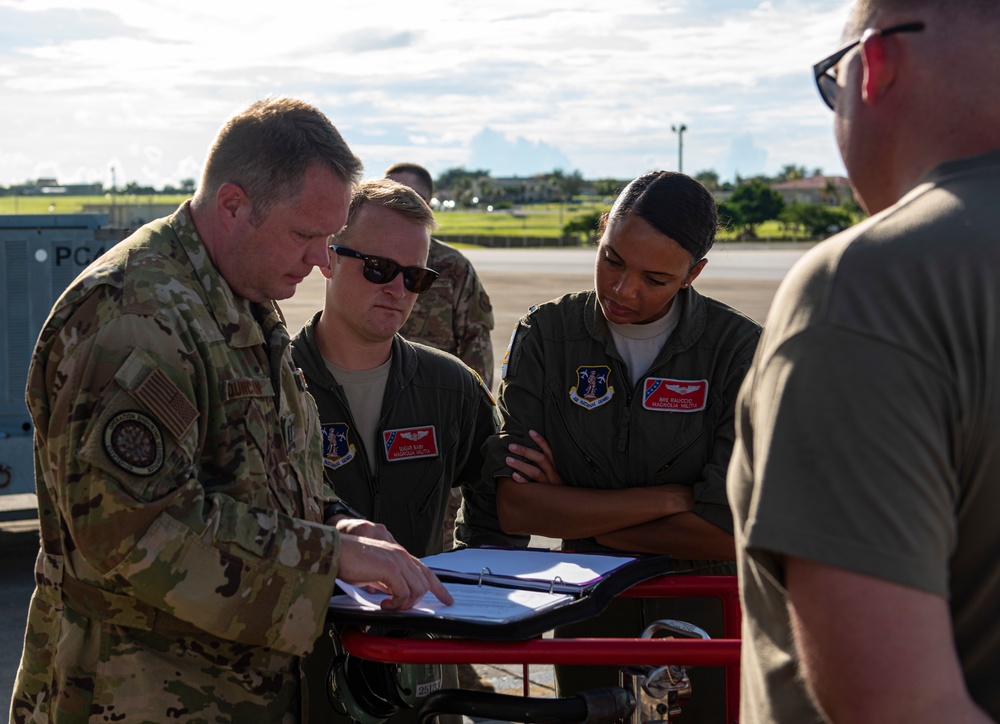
[(364, 390)]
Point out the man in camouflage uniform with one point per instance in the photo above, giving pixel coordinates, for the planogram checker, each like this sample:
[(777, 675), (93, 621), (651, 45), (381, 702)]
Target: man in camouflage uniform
[(455, 315), (188, 543)]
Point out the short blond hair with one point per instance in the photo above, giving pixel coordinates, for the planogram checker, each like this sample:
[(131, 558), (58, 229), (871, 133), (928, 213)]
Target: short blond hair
[(390, 195)]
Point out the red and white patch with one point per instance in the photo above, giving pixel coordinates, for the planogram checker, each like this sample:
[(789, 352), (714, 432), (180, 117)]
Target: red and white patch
[(664, 395), (410, 443)]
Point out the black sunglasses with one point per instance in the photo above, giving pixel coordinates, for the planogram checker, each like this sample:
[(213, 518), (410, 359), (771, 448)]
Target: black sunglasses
[(826, 70), (379, 270)]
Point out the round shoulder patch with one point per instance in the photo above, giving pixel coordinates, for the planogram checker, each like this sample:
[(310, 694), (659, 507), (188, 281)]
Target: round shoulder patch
[(133, 442)]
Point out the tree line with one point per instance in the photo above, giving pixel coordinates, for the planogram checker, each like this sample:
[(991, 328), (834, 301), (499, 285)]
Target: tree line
[(744, 203)]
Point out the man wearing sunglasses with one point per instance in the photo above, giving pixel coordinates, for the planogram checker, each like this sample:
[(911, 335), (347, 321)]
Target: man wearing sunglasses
[(865, 482), (402, 423)]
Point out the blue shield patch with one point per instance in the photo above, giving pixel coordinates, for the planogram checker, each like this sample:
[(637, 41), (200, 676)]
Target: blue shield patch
[(593, 387), (337, 448)]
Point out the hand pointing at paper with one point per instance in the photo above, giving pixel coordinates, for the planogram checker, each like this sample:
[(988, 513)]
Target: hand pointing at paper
[(388, 568)]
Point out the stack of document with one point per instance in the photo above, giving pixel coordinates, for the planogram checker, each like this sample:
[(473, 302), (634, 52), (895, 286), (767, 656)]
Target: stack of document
[(498, 585)]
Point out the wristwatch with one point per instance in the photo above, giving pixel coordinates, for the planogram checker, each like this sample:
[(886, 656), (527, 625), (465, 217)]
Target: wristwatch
[(339, 507)]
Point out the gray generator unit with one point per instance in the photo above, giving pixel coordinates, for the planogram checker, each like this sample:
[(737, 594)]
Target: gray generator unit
[(39, 256)]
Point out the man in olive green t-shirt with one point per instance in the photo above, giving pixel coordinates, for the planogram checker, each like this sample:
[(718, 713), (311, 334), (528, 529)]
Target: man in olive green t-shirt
[(866, 476)]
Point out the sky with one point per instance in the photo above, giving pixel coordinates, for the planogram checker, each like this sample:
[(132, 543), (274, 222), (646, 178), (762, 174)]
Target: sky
[(514, 87)]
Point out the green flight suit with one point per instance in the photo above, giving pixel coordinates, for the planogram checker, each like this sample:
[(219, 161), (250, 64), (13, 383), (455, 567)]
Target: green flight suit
[(563, 377)]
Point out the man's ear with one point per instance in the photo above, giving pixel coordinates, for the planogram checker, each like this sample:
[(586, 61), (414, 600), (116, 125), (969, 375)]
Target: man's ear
[(229, 200), (327, 270), (878, 65)]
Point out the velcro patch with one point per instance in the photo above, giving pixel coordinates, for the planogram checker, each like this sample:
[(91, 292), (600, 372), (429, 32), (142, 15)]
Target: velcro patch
[(665, 395), (337, 447), (484, 302), (167, 403), (134, 443), (246, 387), (410, 443), (593, 387)]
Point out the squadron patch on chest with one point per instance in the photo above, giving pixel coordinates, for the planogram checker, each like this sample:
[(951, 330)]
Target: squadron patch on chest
[(593, 387), (410, 443), (134, 443), (664, 395), (337, 448)]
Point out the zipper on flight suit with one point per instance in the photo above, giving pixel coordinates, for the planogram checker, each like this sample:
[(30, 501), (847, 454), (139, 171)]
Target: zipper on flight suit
[(373, 485), (589, 460), (382, 421), (626, 418)]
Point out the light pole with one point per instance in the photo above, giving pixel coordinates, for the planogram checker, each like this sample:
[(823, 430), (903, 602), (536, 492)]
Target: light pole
[(114, 197), (679, 130)]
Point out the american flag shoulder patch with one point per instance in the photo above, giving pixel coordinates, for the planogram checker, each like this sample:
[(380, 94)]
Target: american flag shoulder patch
[(166, 402)]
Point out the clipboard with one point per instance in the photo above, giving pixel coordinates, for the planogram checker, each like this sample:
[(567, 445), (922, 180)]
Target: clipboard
[(521, 599)]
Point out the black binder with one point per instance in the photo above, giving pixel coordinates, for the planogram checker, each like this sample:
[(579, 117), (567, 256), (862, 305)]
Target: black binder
[(558, 601)]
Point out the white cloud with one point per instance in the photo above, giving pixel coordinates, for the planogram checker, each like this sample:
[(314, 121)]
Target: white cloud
[(601, 84)]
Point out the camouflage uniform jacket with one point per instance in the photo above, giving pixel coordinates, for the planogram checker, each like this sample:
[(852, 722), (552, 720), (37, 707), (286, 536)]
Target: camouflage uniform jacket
[(184, 565), (436, 414), (455, 314)]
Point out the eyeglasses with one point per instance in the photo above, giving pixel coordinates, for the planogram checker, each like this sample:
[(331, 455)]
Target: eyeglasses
[(826, 70), (379, 270)]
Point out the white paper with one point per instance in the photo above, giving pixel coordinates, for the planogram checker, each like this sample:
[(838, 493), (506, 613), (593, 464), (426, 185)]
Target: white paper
[(531, 565), (472, 603)]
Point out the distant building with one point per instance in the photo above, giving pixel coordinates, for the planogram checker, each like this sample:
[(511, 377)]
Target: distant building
[(818, 189)]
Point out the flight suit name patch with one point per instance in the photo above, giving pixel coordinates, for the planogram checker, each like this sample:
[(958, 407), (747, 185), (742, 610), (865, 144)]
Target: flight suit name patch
[(337, 449), (664, 395), (593, 389), (410, 443)]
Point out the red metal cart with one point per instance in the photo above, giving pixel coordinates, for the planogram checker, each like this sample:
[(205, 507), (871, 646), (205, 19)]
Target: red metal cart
[(614, 651)]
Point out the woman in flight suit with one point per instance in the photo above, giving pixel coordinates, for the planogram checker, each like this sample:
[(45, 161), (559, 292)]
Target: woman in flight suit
[(617, 409)]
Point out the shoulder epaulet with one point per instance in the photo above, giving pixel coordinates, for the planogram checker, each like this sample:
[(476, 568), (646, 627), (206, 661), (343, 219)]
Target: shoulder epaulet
[(485, 389)]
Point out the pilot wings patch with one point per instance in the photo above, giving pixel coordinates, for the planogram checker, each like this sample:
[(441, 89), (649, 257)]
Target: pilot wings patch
[(409, 443), (663, 395)]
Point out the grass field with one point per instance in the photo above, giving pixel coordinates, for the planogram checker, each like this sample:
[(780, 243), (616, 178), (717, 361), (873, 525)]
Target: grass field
[(55, 204), (531, 220), (534, 220)]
